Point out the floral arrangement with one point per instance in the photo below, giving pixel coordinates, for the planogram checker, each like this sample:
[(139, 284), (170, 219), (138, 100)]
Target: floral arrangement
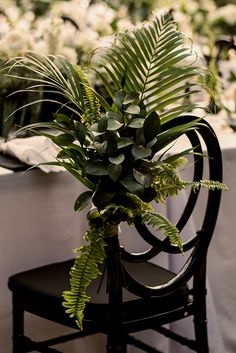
[(117, 147)]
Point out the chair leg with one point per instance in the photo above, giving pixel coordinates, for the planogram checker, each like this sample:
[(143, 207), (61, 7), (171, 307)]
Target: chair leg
[(116, 349), (116, 343), (200, 326), (18, 329)]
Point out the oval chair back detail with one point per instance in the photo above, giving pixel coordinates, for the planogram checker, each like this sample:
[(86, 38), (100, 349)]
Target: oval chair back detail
[(134, 293)]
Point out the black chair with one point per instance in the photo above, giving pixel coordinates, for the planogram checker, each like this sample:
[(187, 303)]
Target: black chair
[(134, 294)]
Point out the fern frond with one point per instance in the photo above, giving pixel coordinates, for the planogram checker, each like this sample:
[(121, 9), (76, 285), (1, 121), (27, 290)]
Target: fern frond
[(166, 181), (91, 102), (161, 223), (208, 184), (84, 271)]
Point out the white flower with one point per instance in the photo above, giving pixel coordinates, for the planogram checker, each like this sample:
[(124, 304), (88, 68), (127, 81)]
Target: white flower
[(70, 54), (100, 17), (15, 43), (74, 9), (124, 24), (87, 39), (226, 68), (227, 13)]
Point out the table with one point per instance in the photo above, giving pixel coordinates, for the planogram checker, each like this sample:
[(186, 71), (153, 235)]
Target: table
[(39, 226)]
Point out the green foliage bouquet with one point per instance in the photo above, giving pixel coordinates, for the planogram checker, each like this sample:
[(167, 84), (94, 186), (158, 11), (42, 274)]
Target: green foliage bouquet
[(110, 145)]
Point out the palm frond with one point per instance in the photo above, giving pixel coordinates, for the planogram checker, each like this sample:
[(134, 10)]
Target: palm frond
[(152, 62)]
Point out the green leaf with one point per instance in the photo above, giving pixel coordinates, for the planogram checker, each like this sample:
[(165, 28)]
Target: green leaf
[(140, 152), (111, 137), (118, 159), (63, 139), (103, 124), (170, 135), (113, 124), (96, 168), (101, 147), (124, 142), (151, 126), (131, 185), (133, 110), (114, 171), (136, 123), (115, 115), (119, 98), (103, 196), (82, 201), (144, 179), (131, 97), (80, 132), (95, 130), (64, 120)]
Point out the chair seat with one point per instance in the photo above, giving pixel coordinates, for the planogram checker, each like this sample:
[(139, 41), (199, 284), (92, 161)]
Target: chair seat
[(42, 288)]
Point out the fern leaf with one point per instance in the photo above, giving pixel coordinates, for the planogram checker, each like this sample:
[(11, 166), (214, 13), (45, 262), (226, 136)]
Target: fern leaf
[(91, 102), (166, 181), (84, 271), (161, 223), (208, 184)]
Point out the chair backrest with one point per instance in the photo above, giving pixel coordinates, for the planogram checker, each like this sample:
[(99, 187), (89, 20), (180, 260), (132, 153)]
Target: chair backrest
[(207, 152)]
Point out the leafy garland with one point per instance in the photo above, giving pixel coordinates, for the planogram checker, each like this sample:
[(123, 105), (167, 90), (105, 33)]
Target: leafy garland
[(109, 143)]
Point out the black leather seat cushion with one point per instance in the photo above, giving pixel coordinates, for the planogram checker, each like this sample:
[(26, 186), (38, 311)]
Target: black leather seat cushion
[(42, 288)]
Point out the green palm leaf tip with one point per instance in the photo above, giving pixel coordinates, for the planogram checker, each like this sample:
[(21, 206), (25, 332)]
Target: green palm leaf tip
[(84, 271), (151, 61), (91, 106)]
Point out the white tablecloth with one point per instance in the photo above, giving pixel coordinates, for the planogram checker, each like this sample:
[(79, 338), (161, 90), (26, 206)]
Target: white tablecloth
[(39, 226)]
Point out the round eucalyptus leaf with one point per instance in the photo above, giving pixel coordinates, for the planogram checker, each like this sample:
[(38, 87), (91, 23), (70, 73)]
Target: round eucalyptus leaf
[(136, 123), (96, 168), (124, 141), (115, 115), (114, 171), (113, 124), (132, 109), (118, 159), (139, 137), (101, 147), (143, 178), (131, 185), (140, 152)]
